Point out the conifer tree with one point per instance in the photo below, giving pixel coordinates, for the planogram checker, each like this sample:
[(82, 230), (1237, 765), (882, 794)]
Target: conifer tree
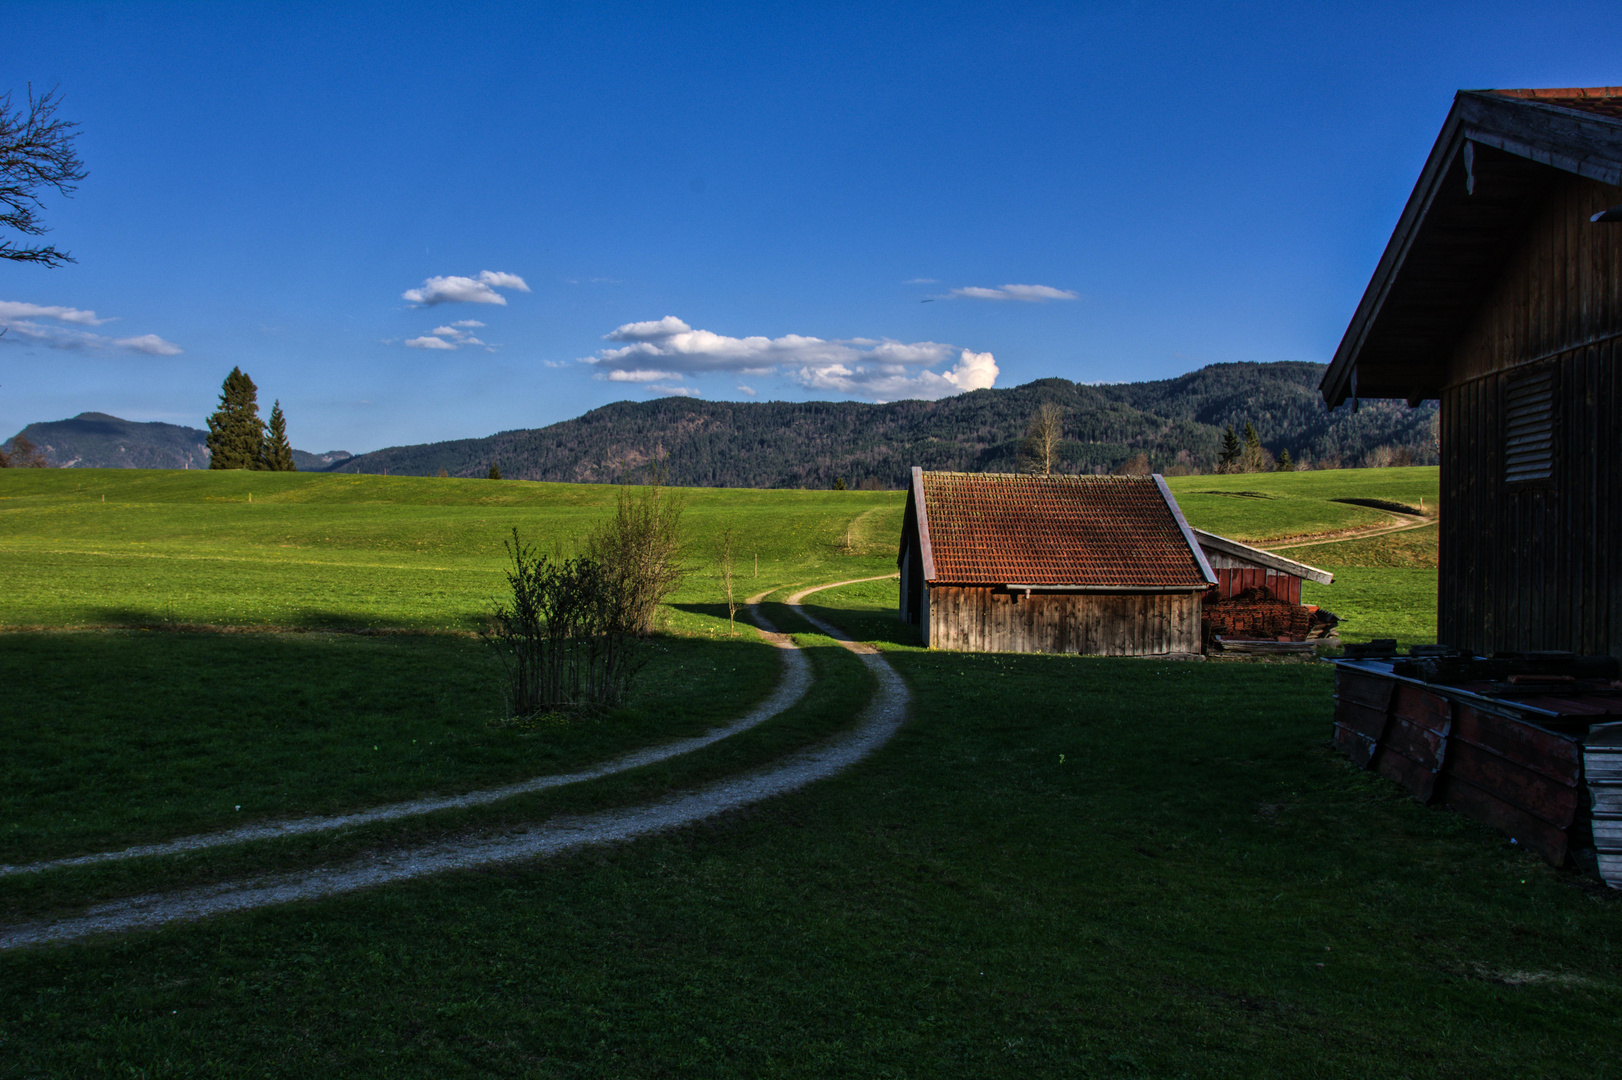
[(1255, 457), (495, 472), (278, 454), (1228, 456), (236, 436), (1284, 462)]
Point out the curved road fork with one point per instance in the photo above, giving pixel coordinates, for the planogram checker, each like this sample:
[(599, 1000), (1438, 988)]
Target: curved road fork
[(877, 722)]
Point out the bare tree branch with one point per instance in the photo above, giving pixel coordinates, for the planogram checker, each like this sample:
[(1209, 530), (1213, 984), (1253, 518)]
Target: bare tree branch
[(36, 152)]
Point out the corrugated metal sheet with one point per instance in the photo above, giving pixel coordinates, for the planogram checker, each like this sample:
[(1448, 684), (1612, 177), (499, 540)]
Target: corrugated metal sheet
[(1078, 531)]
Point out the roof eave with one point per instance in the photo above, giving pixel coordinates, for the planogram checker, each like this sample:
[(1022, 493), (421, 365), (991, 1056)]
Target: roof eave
[(1570, 140), (1264, 558)]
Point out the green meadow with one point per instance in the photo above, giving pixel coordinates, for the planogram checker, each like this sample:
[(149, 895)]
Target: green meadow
[(1060, 867)]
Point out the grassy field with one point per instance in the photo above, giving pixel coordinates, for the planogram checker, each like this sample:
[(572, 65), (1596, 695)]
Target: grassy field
[(153, 548), (1385, 586), (139, 547), (1062, 867)]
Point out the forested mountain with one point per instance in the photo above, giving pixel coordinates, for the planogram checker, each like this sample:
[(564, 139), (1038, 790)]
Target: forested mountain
[(1176, 423), (95, 440)]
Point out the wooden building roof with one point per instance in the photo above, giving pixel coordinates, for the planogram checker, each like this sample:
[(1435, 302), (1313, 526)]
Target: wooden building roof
[(1102, 533), (1496, 152), (1233, 548)]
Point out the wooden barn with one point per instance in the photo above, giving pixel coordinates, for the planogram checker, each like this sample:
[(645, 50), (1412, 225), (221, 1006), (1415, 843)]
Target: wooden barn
[(1098, 565), (1500, 294)]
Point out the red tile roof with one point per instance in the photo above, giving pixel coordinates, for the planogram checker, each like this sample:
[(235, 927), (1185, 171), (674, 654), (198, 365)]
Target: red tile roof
[(1604, 100), (1100, 531)]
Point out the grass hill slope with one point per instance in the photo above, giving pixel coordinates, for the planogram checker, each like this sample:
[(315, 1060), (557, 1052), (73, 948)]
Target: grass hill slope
[(94, 440), (808, 444)]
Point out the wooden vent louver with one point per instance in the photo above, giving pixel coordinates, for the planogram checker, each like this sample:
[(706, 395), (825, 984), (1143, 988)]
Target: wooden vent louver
[(1529, 428)]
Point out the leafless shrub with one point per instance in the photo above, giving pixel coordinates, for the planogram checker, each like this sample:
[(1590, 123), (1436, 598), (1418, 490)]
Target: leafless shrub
[(562, 636)]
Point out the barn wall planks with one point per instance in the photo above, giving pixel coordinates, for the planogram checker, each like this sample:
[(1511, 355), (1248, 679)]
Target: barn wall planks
[(1534, 564), (985, 619)]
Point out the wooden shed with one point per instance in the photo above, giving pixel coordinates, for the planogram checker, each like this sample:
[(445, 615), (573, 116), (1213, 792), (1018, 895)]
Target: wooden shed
[(1500, 293), (1099, 565), (1239, 567)]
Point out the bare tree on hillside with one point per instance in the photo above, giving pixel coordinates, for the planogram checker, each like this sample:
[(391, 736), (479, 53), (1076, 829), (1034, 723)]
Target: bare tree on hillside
[(1040, 451)]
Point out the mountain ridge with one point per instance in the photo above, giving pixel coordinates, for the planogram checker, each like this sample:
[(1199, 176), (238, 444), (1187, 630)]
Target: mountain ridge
[(1176, 424)]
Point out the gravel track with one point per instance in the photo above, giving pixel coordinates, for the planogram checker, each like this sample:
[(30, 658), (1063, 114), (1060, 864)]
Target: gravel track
[(793, 685), (877, 722)]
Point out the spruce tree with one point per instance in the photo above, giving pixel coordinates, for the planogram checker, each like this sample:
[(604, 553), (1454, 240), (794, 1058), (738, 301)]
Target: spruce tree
[(278, 454), (495, 472), (1284, 462), (236, 436), (1228, 456)]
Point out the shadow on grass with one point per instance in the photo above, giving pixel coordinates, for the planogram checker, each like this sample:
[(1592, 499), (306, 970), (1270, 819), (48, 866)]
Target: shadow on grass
[(306, 619)]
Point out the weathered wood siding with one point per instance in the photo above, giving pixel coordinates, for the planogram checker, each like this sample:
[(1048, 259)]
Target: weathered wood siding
[(1537, 564), (986, 619), (1234, 576)]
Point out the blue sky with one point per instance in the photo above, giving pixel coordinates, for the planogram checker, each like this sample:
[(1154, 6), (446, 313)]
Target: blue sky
[(412, 223)]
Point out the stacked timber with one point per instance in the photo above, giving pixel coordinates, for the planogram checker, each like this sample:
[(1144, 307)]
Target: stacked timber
[(1602, 766)]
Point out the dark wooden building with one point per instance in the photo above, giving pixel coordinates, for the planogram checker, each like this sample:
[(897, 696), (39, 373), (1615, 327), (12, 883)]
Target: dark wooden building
[(1501, 295), (1098, 565)]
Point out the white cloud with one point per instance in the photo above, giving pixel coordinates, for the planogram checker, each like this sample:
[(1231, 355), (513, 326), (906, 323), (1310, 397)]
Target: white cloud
[(673, 391), (26, 324), (13, 309), (750, 390), (446, 337), (668, 348), (1031, 294), (151, 344), (973, 371), (922, 281), (426, 342), (454, 289), (638, 375)]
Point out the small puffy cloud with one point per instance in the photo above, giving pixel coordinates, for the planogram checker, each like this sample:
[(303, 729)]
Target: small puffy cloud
[(454, 289), (637, 375), (750, 390), (13, 309), (151, 344), (1031, 294), (427, 342), (470, 323), (673, 391), (446, 337), (59, 327), (669, 348)]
